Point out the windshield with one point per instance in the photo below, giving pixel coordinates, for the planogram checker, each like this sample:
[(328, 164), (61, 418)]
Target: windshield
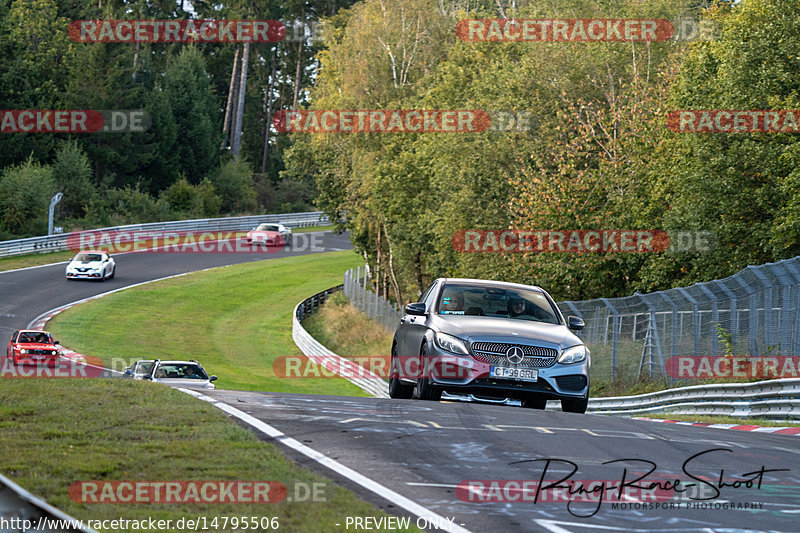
[(143, 368), (33, 337), (180, 371), (267, 227), (85, 258), (520, 304)]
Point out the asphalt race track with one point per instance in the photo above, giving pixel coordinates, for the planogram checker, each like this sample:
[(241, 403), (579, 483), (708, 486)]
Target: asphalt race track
[(425, 450), (25, 294)]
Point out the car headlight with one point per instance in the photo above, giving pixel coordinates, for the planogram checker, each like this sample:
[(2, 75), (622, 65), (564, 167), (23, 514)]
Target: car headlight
[(451, 344), (576, 354), (23, 351)]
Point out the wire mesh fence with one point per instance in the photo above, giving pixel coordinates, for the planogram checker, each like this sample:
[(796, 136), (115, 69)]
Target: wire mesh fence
[(755, 312), (385, 313)]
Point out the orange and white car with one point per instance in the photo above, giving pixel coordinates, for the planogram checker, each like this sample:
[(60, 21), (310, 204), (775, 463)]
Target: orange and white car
[(33, 347)]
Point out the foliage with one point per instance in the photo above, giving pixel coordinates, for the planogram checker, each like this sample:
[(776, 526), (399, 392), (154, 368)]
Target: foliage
[(72, 175), (595, 152), (25, 192), (193, 200), (234, 184)]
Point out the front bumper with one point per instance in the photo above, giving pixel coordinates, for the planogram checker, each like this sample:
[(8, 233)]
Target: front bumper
[(84, 275), (37, 360), (464, 374)]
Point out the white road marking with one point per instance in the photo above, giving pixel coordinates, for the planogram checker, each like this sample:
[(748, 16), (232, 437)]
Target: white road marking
[(369, 484)]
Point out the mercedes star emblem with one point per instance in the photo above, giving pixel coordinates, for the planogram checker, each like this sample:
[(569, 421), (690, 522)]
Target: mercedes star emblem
[(515, 355)]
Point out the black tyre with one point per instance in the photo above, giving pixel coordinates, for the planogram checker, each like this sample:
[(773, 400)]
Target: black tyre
[(113, 273), (577, 405), (533, 402), (398, 389), (425, 389)]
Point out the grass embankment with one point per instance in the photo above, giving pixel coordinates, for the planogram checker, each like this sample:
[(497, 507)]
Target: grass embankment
[(235, 320), (346, 331), (29, 260), (54, 432)]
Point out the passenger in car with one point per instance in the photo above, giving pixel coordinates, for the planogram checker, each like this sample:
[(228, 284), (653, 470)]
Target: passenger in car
[(452, 302)]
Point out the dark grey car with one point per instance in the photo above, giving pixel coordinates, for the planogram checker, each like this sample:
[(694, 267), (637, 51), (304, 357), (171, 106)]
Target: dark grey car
[(491, 339)]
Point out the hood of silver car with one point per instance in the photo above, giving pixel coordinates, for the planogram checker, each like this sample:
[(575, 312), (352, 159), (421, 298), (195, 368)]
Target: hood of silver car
[(186, 383), (500, 329)]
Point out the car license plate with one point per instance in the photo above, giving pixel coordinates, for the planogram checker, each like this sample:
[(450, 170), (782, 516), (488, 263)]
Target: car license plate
[(38, 357), (520, 374)]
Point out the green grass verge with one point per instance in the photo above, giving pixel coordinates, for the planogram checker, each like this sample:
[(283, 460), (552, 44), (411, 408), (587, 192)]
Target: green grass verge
[(725, 420), (54, 432), (29, 260), (235, 320)]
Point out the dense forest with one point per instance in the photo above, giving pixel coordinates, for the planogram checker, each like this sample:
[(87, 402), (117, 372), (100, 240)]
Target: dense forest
[(595, 151), (185, 164), (598, 152)]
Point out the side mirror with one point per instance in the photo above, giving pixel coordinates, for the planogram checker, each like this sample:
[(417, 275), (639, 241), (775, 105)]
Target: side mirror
[(213, 378), (148, 377), (576, 323), (56, 342), (416, 308)]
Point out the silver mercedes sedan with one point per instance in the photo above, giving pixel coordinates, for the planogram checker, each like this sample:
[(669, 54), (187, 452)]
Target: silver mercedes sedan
[(492, 339)]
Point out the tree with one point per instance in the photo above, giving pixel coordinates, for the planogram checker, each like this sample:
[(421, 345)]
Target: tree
[(25, 192), (72, 175), (234, 185), (187, 87)]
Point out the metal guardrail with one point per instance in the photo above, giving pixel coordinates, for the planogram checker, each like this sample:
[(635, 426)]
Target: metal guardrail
[(18, 505), (763, 399), (319, 354), (54, 243)]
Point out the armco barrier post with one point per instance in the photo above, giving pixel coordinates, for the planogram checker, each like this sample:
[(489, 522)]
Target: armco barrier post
[(614, 338)]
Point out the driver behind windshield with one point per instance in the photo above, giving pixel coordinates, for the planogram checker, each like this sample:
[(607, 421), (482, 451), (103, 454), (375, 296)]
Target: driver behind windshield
[(452, 303), (516, 307)]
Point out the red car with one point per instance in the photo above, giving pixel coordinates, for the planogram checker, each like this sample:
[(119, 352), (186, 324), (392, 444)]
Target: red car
[(33, 347), (266, 237)]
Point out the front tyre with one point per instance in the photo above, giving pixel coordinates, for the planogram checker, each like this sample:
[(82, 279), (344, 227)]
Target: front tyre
[(425, 389), (576, 405), (397, 389)]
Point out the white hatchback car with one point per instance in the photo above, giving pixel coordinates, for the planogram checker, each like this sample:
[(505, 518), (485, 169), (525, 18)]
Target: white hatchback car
[(91, 265)]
